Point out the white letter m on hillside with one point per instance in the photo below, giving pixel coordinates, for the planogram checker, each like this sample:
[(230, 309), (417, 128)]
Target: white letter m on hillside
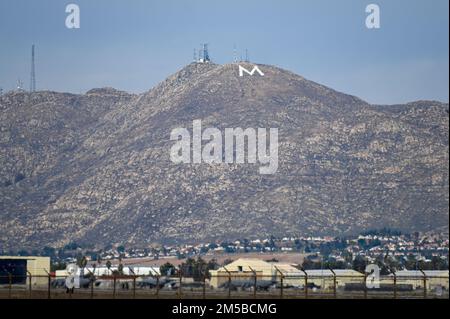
[(255, 69)]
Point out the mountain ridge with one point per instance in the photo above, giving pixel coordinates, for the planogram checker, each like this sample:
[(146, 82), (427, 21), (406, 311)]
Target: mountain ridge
[(345, 165)]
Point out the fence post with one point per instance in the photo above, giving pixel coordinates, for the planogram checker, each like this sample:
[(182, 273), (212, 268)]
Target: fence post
[(49, 284), (134, 282), (92, 287), (91, 279), (180, 274), (395, 284), (157, 286), (10, 285), (255, 284), (29, 284), (365, 285), (425, 292), (281, 281), (114, 287), (204, 286), (229, 282), (334, 283), (306, 283)]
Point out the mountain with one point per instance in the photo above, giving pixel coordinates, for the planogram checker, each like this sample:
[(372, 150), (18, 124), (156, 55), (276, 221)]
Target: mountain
[(96, 169)]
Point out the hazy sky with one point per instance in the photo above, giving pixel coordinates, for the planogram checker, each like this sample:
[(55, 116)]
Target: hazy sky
[(134, 44)]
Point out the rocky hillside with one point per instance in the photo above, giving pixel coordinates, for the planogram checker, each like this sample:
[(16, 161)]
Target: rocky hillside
[(95, 168)]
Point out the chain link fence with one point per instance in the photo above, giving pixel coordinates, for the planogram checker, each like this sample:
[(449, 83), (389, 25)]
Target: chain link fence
[(243, 285)]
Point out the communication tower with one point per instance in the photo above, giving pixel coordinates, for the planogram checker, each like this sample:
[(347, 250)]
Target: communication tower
[(33, 73)]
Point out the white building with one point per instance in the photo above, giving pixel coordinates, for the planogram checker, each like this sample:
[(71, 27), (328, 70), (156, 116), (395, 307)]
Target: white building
[(104, 271)]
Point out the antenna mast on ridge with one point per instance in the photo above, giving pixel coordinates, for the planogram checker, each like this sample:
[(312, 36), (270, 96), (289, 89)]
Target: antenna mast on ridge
[(203, 54), (19, 85), (33, 74)]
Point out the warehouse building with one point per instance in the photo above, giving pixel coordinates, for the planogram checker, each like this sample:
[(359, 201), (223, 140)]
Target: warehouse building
[(18, 270), (245, 270), (325, 278), (434, 279), (288, 275)]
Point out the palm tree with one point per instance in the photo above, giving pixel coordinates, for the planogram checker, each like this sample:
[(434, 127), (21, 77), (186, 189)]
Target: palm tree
[(83, 262), (108, 265)]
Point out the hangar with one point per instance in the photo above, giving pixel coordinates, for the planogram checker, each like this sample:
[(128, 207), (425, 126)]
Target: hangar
[(19, 270)]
